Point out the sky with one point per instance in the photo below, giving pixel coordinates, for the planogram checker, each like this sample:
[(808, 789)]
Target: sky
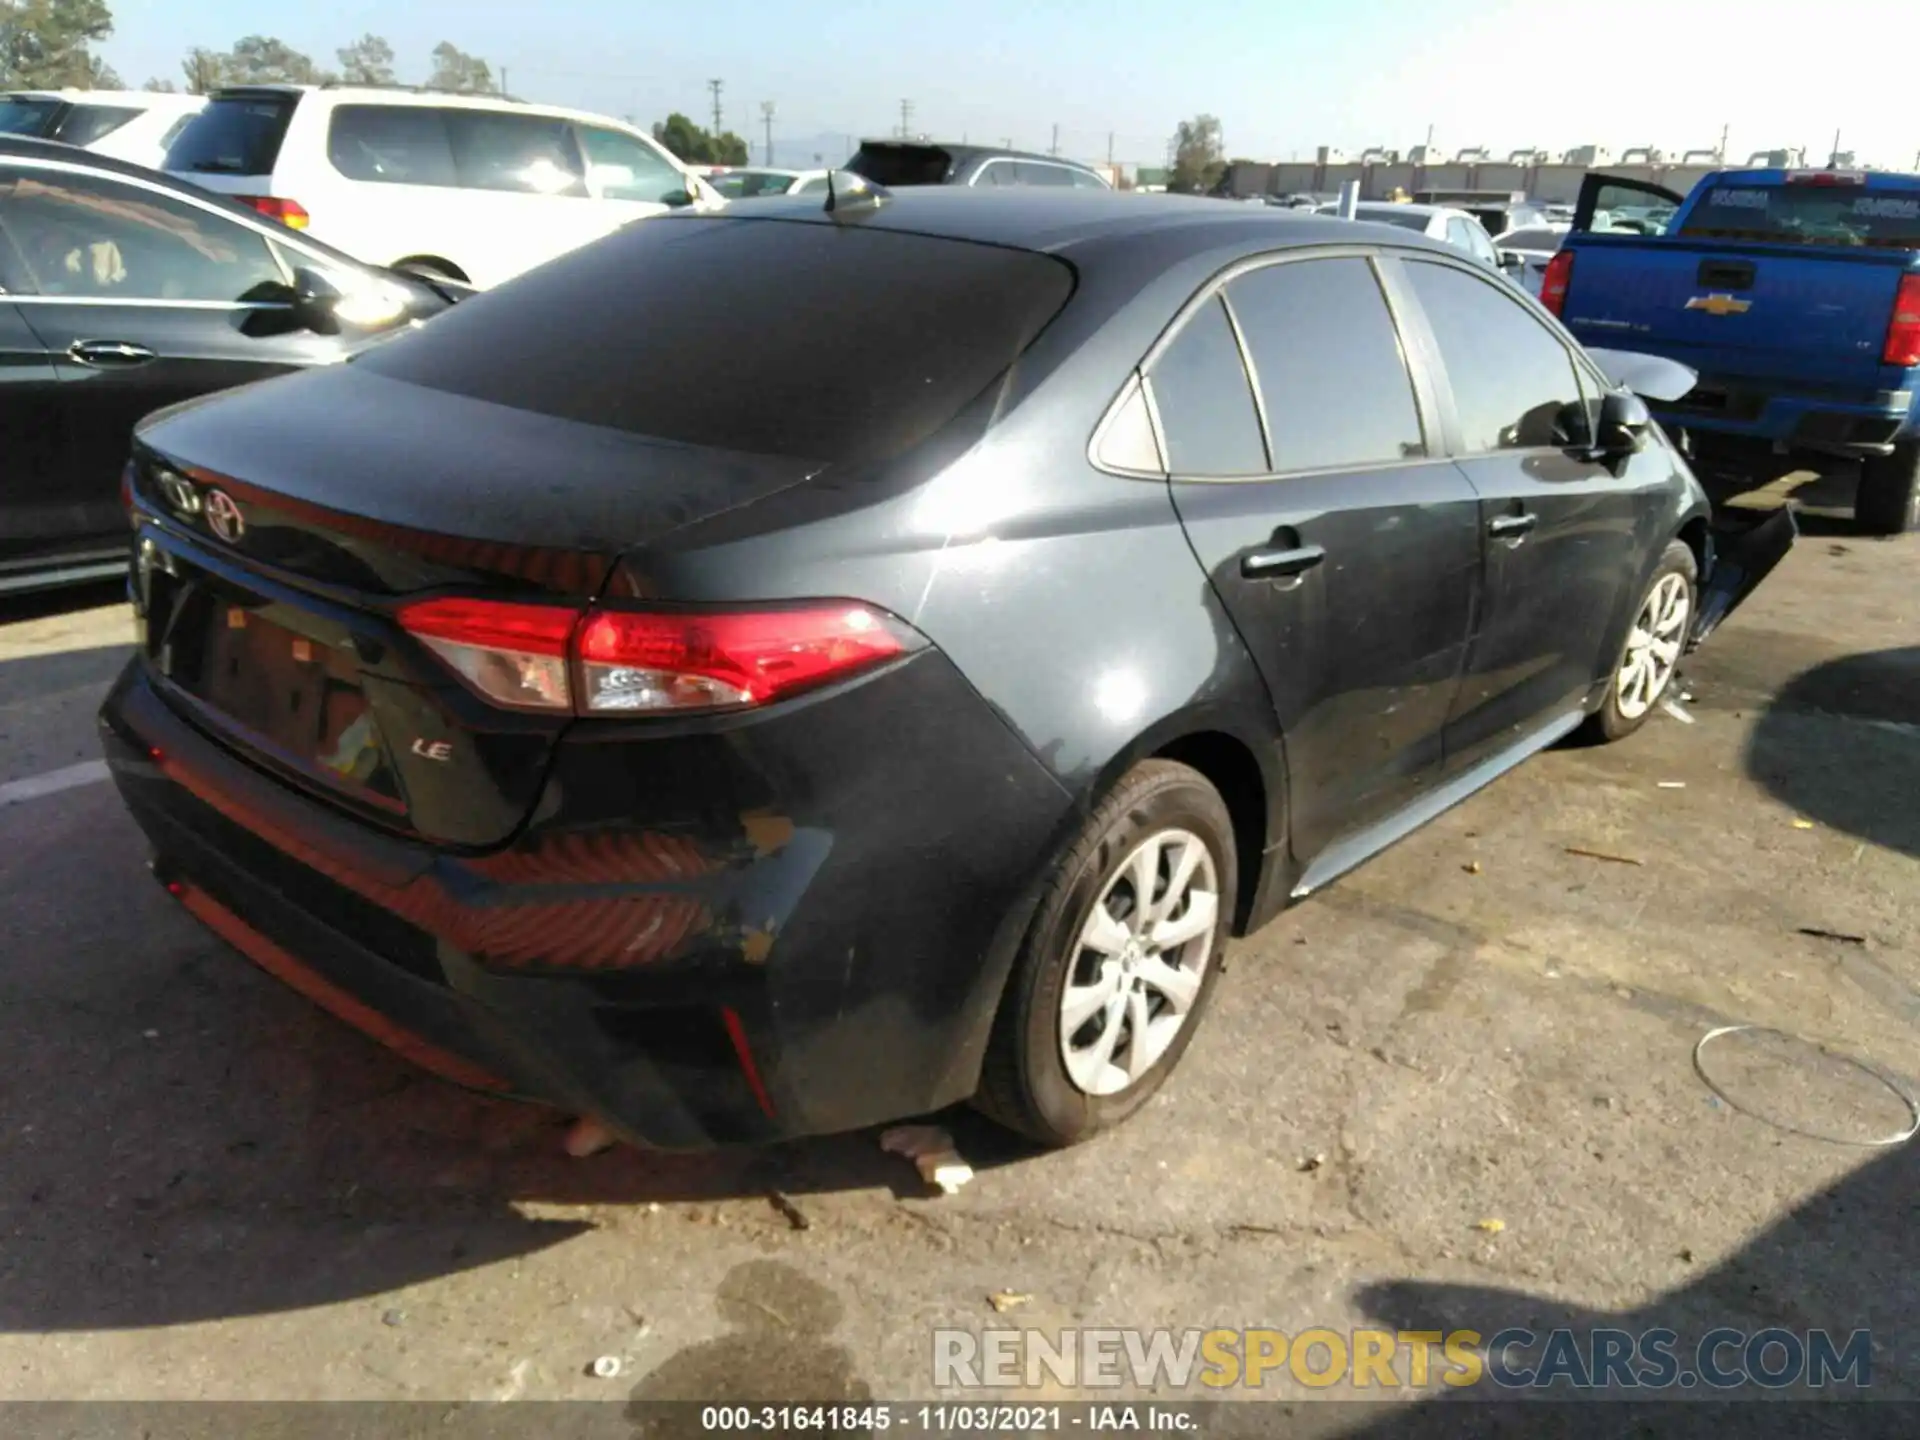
[(1282, 80)]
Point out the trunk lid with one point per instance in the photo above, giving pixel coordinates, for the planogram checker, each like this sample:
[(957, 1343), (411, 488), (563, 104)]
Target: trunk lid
[(288, 540)]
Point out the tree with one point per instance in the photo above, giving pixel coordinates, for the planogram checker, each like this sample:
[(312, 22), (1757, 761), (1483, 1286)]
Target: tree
[(46, 44), (161, 87), (205, 70), (1198, 156), (367, 61), (263, 60), (454, 69), (697, 146)]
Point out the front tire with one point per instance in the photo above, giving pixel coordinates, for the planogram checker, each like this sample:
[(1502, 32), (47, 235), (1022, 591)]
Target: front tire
[(1107, 990), (1650, 657), (1888, 500)]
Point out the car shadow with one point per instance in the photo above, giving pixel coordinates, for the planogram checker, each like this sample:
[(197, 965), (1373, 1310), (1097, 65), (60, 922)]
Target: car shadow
[(1880, 692), (1843, 1260)]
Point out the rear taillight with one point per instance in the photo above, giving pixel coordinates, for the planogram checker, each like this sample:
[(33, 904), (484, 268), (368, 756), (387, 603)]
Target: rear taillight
[(1553, 285), (1826, 177), (290, 213), (512, 654), (1903, 331), (606, 662)]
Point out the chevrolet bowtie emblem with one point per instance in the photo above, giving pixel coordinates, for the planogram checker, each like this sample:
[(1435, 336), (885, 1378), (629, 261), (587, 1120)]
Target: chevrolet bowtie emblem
[(1719, 304)]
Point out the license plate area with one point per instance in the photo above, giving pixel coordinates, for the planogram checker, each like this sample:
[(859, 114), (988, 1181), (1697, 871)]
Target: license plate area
[(287, 682)]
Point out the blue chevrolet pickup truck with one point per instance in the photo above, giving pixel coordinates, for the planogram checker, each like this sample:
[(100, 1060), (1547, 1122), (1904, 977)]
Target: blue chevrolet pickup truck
[(1794, 293)]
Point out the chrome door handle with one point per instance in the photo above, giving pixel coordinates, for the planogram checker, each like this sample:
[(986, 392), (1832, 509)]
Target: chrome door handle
[(1278, 564), (1511, 527), (110, 352)]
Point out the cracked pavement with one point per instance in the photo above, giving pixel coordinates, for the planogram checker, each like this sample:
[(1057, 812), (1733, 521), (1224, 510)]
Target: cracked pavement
[(208, 1189)]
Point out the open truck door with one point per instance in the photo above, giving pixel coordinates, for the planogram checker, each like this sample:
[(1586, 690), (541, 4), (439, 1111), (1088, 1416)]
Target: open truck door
[(1623, 206)]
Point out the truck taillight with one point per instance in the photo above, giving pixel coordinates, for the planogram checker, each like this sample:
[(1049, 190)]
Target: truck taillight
[(1903, 331), (625, 662), (1553, 285), (290, 213)]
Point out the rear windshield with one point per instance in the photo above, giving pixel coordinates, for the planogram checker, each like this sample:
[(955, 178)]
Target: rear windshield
[(1808, 215), (834, 343), (22, 115), (234, 135), (896, 165)]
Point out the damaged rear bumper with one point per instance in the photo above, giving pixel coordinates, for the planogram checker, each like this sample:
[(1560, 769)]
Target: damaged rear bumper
[(1740, 556), (795, 928)]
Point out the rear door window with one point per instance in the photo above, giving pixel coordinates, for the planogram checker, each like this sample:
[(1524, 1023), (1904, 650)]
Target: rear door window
[(391, 145), (525, 154), (1329, 363), (1208, 423), (1808, 215), (1514, 384), (233, 135), (1036, 172), (835, 343)]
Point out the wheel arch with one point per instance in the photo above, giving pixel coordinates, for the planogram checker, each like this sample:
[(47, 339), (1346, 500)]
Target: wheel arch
[(1248, 769)]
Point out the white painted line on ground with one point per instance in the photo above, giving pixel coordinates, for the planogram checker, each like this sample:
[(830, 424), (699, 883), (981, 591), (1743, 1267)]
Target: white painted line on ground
[(88, 772)]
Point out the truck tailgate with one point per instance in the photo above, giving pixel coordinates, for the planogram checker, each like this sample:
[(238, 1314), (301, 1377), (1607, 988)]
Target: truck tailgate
[(1788, 311)]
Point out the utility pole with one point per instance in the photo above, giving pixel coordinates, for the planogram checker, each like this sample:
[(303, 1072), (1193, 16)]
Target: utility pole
[(906, 119), (1722, 151), (1054, 149), (715, 86), (1109, 149), (1833, 156), (766, 119), (504, 92)]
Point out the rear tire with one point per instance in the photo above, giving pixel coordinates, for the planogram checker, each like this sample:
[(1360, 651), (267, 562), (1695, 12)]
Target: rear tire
[(1649, 659), (1061, 1067), (1888, 501)]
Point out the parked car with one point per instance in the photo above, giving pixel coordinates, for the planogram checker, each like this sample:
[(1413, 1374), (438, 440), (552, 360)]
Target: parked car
[(744, 183), (121, 292), (898, 163), (1525, 251), (135, 125), (1794, 293), (470, 187), (1444, 223), (921, 730)]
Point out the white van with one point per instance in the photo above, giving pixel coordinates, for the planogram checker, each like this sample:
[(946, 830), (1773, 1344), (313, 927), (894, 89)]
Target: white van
[(471, 187), (136, 125)]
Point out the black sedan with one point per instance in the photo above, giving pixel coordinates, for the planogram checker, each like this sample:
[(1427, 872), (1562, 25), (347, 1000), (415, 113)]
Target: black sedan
[(891, 687), (122, 291)]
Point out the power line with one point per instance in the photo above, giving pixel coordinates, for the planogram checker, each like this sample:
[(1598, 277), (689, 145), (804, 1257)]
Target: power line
[(715, 87)]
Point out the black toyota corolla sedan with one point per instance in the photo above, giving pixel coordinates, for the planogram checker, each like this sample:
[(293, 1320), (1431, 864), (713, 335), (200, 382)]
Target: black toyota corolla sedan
[(891, 686)]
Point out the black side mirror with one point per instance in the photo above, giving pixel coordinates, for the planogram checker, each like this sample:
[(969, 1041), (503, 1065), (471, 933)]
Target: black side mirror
[(1624, 422), (676, 199), (316, 300), (1511, 260)]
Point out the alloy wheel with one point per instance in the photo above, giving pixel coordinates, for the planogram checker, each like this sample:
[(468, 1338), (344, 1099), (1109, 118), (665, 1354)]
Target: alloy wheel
[(1653, 648), (1138, 962)]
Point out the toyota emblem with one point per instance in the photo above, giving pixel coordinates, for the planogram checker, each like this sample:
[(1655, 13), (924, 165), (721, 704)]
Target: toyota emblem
[(223, 516)]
